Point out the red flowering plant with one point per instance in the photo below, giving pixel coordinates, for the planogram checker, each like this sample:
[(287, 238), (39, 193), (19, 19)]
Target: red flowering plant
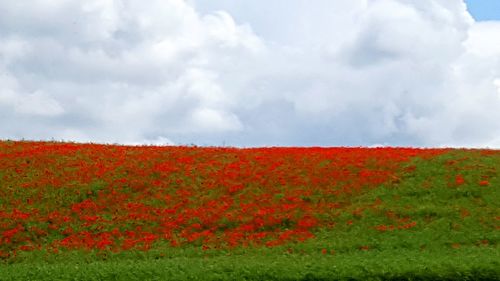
[(105, 197)]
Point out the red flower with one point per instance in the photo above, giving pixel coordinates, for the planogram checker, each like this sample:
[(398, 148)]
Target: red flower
[(307, 222), (8, 234), (484, 183), (459, 180), (381, 228)]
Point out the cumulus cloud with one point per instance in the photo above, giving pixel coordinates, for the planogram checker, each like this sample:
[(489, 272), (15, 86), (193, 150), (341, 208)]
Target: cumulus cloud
[(391, 72), (497, 84), (117, 71)]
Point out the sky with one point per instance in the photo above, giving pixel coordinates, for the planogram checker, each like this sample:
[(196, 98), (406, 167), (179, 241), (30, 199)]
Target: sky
[(421, 73), (484, 10)]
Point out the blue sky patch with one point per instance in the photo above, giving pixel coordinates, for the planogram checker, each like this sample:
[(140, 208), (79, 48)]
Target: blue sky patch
[(484, 10)]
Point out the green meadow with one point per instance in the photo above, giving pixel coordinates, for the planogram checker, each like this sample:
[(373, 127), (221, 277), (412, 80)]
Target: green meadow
[(438, 220)]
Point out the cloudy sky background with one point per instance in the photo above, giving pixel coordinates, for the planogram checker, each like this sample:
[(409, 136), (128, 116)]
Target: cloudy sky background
[(251, 73)]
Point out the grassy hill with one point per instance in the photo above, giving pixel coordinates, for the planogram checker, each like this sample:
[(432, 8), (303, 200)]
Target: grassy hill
[(105, 212)]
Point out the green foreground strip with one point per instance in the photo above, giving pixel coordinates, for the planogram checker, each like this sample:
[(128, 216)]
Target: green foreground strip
[(458, 264)]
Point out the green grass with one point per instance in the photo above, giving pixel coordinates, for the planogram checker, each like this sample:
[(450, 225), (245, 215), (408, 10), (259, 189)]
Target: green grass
[(272, 264), (456, 237)]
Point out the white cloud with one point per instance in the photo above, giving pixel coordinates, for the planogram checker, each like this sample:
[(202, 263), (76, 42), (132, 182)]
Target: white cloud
[(484, 40), (116, 70), (158, 141), (13, 49), (207, 119), (496, 82), (38, 103), (396, 72)]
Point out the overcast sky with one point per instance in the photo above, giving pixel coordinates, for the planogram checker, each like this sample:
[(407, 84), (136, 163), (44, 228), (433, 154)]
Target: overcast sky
[(250, 73)]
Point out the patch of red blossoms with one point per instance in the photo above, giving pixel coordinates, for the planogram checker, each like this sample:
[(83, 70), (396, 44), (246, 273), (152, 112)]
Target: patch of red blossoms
[(106, 197)]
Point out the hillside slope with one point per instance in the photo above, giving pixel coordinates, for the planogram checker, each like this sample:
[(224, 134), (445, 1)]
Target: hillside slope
[(319, 213)]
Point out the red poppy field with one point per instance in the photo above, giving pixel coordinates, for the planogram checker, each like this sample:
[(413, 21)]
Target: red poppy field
[(184, 213)]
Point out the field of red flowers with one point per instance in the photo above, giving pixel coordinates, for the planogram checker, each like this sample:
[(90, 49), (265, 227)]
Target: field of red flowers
[(71, 196), (60, 197)]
